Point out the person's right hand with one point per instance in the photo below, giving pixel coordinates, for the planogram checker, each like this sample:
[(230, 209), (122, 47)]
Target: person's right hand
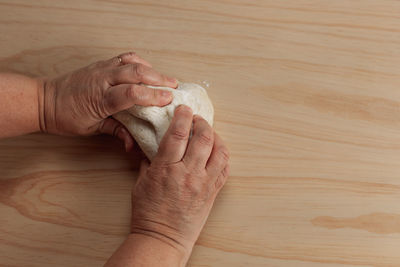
[(174, 194)]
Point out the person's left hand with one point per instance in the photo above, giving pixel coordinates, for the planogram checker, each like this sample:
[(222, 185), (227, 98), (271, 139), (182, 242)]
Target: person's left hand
[(81, 102)]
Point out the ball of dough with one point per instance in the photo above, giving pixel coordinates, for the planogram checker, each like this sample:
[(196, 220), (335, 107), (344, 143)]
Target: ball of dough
[(148, 125)]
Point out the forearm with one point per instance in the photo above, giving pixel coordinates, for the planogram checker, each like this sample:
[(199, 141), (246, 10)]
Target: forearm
[(147, 251), (19, 105)]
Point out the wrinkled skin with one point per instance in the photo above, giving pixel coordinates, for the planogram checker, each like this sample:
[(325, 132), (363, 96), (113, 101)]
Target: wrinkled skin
[(174, 194), (81, 102)]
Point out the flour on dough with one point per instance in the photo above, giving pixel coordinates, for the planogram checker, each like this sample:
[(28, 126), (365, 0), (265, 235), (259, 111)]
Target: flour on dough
[(148, 125)]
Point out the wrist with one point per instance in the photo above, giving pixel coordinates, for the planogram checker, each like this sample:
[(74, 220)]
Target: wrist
[(46, 104), (162, 250), (166, 235)]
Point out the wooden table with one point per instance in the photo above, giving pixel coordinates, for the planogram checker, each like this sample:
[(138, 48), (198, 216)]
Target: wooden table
[(307, 96)]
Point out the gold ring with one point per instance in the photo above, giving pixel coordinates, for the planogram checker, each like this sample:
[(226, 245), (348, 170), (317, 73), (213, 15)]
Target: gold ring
[(119, 59)]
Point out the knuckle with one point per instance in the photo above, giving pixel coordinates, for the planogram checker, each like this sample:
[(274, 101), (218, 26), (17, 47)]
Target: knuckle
[(224, 153), (225, 172), (179, 134), (206, 137), (139, 70), (132, 54), (222, 178), (129, 91), (219, 183), (133, 92), (129, 56), (154, 93)]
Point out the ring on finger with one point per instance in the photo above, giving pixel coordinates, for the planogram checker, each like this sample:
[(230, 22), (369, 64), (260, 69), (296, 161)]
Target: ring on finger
[(119, 60)]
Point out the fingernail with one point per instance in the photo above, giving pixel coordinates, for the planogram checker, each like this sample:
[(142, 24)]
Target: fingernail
[(172, 80), (197, 117), (184, 108)]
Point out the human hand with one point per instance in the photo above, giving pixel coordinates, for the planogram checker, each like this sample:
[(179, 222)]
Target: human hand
[(174, 194), (81, 102)]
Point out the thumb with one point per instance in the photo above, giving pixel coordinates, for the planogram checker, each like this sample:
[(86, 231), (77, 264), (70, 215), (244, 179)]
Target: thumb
[(124, 96), (115, 128)]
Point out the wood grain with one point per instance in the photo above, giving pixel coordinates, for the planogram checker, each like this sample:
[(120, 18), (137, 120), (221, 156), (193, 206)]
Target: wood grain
[(306, 96)]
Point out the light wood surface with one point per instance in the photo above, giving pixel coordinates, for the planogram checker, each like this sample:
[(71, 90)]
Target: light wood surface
[(307, 96)]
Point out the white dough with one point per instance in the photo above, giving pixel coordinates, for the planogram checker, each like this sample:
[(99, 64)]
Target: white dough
[(148, 125)]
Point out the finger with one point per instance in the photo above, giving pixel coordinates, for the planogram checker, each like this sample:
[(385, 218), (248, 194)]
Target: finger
[(174, 143), (219, 157), (132, 58), (126, 58), (127, 138), (115, 128), (124, 96), (200, 145), (223, 176), (139, 73)]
